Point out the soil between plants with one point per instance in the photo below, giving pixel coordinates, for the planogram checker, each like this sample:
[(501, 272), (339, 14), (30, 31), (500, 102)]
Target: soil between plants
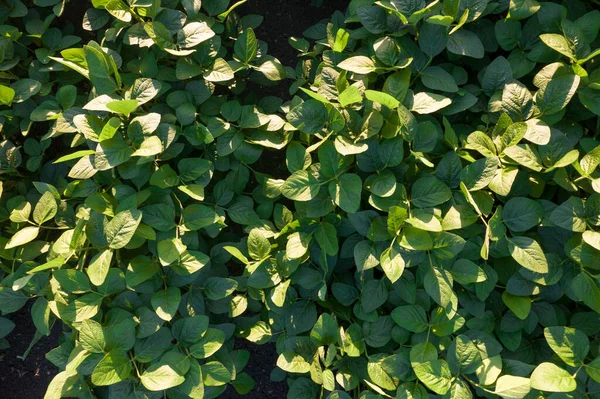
[(262, 361), (29, 378)]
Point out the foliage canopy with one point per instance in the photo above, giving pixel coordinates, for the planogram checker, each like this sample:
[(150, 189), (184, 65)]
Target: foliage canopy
[(421, 216)]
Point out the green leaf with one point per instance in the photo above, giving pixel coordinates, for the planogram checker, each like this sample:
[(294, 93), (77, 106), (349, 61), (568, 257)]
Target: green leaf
[(373, 18), (91, 336), (40, 314), (382, 98), (392, 264), (195, 191), (438, 285), (217, 288), (521, 214), (297, 245), (466, 43), (378, 373), (259, 333), (341, 40), (99, 70), (555, 96), (528, 253), (159, 34), (124, 107), (435, 375), (220, 72), (210, 343), (215, 374), (150, 146), (326, 236), (112, 153), (258, 246), (558, 43), (592, 238), (513, 387), (538, 132), (237, 254), (436, 78), (22, 237), (482, 143), (165, 302), (56, 386), (99, 266), (325, 331), (551, 378), (292, 363), (350, 96), (279, 293), (497, 74), (521, 9), (114, 367), (118, 9), (246, 46), (165, 176), (424, 220), (358, 64), (198, 216), (463, 355), (416, 239), (411, 318), (45, 209), (587, 290), (144, 90), (428, 103), (489, 370), (120, 230), (429, 191), (243, 383), (593, 369), (23, 90), (480, 173), (346, 192), (109, 130), (590, 99), (75, 155), (296, 157), (191, 329), (309, 117), (571, 345), (170, 251), (519, 305), (169, 372), (465, 271), (273, 70), (301, 186), (374, 294), (6, 326), (20, 214), (7, 94), (517, 100), (193, 34)]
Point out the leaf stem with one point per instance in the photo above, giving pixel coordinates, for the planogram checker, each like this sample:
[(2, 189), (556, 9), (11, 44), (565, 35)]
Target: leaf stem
[(137, 371)]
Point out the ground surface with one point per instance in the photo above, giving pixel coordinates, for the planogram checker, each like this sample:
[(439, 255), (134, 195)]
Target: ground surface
[(28, 379), (262, 360)]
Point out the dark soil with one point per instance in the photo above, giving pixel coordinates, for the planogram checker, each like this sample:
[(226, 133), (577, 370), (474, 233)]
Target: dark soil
[(284, 19), (28, 379), (262, 360)]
